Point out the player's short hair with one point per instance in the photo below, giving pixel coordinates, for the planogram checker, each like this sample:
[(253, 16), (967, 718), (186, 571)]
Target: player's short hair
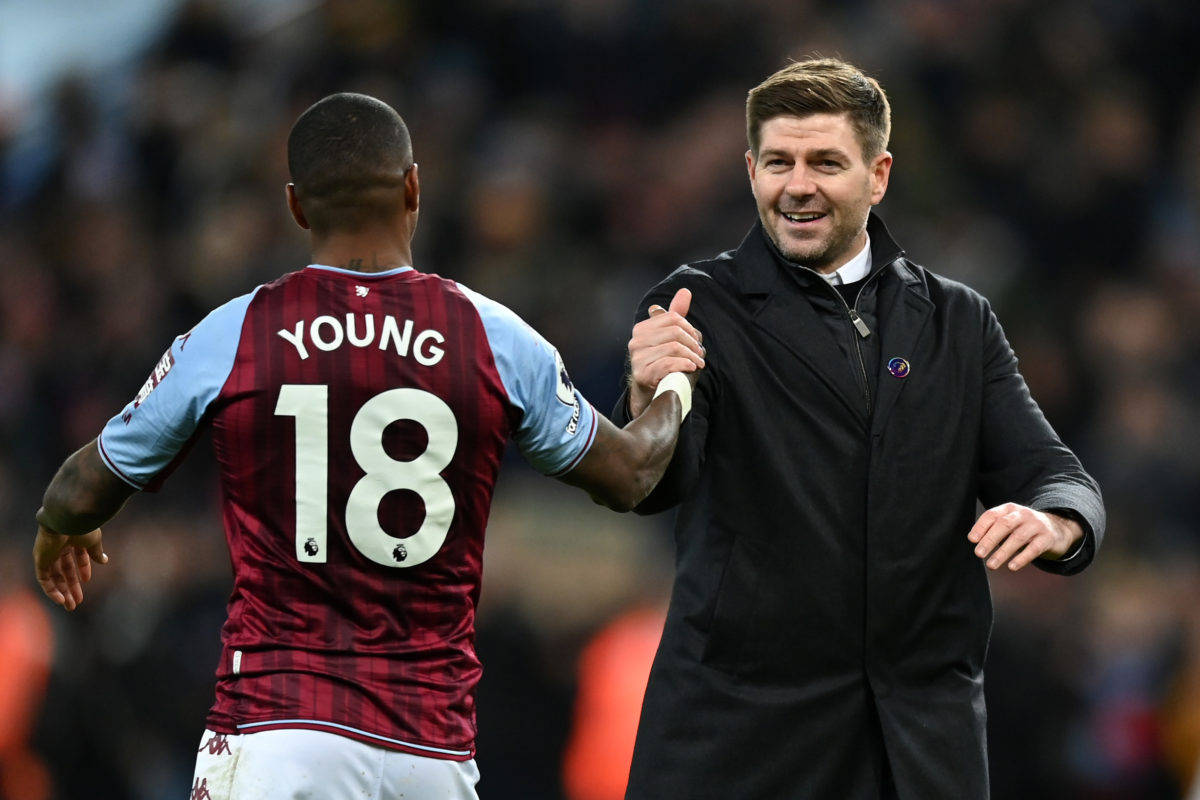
[(822, 86), (348, 155)]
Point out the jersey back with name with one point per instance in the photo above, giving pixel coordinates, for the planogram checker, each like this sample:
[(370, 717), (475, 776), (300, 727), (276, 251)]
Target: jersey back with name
[(359, 422)]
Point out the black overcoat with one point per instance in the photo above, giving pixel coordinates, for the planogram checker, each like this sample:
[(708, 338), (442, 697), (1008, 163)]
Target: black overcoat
[(829, 619)]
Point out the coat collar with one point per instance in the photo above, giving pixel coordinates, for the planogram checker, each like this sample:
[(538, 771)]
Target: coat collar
[(904, 306)]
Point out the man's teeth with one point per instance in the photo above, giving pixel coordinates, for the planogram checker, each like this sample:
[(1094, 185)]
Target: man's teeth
[(807, 216)]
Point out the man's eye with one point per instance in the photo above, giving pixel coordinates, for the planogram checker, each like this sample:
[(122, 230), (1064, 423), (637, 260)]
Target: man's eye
[(828, 164), (776, 162)]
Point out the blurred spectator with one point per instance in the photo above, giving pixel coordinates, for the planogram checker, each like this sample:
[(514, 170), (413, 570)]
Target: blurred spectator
[(26, 646), (613, 671)]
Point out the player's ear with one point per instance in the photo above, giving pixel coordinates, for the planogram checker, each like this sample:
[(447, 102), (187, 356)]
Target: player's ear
[(294, 206), (412, 189)]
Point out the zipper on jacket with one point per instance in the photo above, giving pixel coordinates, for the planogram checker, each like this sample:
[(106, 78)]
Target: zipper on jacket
[(856, 320), (864, 330), (860, 325)]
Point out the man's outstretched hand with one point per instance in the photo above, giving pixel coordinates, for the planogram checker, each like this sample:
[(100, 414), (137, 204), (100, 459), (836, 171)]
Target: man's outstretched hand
[(663, 343), (62, 564), (1015, 535)]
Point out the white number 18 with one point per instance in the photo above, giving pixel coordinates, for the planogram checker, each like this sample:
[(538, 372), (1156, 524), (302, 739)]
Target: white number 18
[(309, 404)]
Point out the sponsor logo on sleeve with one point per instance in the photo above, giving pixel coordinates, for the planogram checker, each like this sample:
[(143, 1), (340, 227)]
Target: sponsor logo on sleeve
[(565, 392), (156, 377), (573, 425)]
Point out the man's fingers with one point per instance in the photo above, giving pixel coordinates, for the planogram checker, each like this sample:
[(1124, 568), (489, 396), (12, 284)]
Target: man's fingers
[(1017, 538), (987, 518), (1032, 550), (72, 576), (681, 302), (96, 548), (657, 336), (53, 593), (84, 560), (66, 562), (63, 588), (664, 319), (647, 356), (96, 551), (992, 526)]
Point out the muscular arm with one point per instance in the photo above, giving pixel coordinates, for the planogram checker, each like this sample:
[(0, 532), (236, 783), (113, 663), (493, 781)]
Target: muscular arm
[(83, 495), (625, 464)]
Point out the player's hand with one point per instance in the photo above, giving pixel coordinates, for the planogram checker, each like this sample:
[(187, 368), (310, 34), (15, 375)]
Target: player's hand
[(661, 344), (62, 564), (1015, 535)]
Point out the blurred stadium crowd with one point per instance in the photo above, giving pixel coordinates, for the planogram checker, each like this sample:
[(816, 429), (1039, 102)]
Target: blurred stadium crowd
[(572, 153)]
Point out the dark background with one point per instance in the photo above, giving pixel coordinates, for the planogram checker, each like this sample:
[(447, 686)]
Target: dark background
[(572, 153)]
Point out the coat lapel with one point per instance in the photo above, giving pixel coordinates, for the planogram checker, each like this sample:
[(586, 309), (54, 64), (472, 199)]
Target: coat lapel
[(904, 309), (781, 309)]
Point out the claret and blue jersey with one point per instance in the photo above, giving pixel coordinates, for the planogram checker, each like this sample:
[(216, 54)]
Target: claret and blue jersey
[(359, 421)]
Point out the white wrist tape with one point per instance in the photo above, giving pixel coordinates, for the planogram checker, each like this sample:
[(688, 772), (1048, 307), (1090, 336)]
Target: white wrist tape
[(678, 383)]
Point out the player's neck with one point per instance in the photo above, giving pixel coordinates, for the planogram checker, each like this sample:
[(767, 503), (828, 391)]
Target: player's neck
[(362, 252)]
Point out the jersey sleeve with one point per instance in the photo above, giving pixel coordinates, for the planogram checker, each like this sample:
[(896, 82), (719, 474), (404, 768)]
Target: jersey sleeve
[(557, 424), (142, 443)]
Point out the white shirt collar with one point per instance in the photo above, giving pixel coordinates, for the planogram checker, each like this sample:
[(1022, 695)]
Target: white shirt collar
[(853, 270)]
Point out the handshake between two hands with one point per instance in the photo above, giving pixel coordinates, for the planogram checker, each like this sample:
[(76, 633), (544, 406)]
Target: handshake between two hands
[(663, 343)]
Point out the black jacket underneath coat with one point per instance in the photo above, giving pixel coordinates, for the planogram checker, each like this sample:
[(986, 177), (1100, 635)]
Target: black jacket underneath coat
[(829, 619)]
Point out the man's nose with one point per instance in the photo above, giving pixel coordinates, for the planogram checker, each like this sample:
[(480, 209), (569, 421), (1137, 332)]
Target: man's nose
[(801, 182)]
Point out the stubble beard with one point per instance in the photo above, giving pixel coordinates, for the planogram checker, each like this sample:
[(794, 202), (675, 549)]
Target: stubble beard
[(818, 255)]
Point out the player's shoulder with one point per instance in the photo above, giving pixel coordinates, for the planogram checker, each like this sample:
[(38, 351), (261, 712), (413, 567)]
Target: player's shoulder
[(226, 318), (483, 303), (498, 319), (280, 283)]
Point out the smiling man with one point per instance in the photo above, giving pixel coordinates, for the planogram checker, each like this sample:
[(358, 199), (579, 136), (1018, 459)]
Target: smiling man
[(830, 614)]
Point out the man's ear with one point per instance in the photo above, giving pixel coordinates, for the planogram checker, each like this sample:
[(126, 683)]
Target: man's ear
[(750, 165), (881, 171), (294, 206), (412, 189)]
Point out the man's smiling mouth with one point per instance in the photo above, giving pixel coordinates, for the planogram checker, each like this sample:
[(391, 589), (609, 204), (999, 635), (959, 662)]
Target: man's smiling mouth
[(802, 216)]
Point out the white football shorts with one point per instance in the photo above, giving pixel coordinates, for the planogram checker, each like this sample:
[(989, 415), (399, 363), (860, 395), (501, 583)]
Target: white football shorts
[(314, 765)]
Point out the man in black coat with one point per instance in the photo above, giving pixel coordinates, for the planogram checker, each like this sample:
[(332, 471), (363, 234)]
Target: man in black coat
[(830, 614)]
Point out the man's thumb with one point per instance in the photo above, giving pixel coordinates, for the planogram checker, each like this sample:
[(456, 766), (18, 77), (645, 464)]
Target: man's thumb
[(681, 302), (97, 553)]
